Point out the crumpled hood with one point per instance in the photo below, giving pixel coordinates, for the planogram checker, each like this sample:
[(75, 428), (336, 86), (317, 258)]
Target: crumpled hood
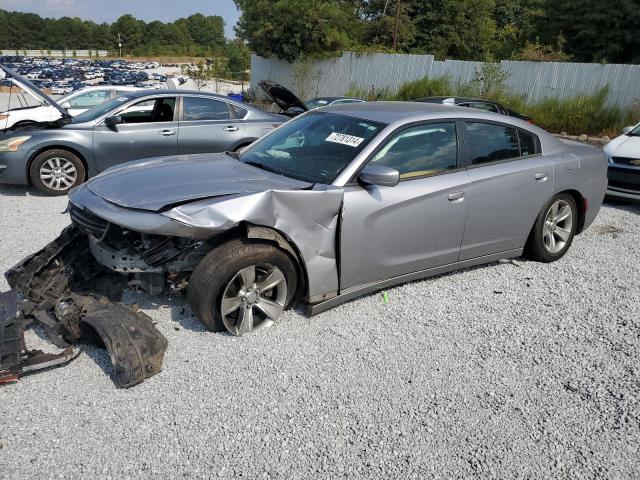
[(159, 183)]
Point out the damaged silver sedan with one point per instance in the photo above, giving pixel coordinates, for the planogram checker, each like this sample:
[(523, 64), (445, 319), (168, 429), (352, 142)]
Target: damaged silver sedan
[(337, 203)]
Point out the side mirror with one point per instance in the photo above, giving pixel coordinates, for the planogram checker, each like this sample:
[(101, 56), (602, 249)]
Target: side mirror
[(113, 121), (66, 105), (627, 129), (380, 175)]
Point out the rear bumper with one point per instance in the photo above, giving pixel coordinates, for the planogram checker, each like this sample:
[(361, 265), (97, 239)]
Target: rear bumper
[(13, 167), (624, 182)]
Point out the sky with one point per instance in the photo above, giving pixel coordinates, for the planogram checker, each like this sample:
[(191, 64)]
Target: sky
[(109, 10)]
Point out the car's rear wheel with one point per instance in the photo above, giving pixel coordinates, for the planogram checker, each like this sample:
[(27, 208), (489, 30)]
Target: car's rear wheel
[(55, 172), (553, 232), (242, 286)]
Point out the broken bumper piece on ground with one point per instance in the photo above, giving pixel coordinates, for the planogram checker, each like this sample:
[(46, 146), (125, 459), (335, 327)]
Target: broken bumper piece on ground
[(65, 291)]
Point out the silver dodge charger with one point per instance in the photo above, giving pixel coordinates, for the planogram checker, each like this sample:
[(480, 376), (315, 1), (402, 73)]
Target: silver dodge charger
[(337, 203)]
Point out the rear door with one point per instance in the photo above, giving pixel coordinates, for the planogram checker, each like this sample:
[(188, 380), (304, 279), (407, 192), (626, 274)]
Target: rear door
[(149, 129), (208, 125), (510, 183), (417, 224)]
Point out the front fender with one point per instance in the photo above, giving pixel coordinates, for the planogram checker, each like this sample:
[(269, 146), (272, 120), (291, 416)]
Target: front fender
[(308, 219)]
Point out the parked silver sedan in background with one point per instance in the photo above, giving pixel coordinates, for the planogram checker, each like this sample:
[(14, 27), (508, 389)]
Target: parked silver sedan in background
[(56, 156), (337, 203)]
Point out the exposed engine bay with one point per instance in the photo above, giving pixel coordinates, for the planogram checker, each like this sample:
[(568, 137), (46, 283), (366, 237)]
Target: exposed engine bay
[(73, 298)]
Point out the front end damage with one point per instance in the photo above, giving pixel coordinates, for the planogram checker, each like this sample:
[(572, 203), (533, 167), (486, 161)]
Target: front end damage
[(76, 281), (72, 297)]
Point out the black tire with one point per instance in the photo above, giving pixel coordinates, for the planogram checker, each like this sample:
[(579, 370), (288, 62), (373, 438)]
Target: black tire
[(536, 249), (220, 265), (44, 157), (240, 147)]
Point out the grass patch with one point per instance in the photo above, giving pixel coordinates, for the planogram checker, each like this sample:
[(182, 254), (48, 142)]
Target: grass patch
[(588, 114)]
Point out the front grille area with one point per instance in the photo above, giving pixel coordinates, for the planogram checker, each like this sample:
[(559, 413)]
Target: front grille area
[(624, 185), (634, 162), (88, 222)]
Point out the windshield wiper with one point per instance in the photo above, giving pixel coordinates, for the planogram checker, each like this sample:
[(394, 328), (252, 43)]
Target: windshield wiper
[(234, 155)]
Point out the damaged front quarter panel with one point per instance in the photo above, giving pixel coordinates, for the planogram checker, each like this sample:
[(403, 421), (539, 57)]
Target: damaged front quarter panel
[(64, 288), (307, 218)]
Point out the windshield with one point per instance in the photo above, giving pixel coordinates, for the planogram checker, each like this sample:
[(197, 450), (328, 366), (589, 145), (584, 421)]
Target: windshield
[(315, 147), (99, 110), (635, 132), (315, 103)]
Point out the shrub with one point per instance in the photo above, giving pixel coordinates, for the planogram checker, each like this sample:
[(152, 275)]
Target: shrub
[(577, 115), (425, 87), (371, 94)]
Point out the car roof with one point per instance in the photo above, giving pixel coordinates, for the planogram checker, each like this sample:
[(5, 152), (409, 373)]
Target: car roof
[(455, 99), (407, 112), (175, 91), (331, 99)]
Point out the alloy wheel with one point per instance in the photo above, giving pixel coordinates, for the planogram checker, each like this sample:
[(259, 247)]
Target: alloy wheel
[(557, 228), (58, 173), (253, 299)]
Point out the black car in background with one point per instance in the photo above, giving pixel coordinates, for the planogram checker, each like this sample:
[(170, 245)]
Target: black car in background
[(478, 103)]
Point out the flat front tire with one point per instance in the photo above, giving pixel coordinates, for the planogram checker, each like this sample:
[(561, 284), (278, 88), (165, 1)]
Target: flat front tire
[(554, 230), (242, 286)]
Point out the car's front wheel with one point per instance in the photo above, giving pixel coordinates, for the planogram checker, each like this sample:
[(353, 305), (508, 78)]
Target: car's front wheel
[(553, 232), (55, 172), (242, 286)]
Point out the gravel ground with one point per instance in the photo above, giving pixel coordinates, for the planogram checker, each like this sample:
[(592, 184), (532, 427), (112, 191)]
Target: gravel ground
[(512, 370)]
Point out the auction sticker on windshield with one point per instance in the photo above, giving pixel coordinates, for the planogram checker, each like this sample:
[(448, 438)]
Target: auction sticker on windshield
[(344, 139)]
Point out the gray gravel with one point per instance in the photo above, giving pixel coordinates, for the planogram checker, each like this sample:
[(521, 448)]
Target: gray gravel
[(513, 370)]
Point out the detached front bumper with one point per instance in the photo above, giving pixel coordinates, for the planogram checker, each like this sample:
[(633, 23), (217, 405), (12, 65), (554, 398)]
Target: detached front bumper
[(64, 289), (624, 182), (13, 167)]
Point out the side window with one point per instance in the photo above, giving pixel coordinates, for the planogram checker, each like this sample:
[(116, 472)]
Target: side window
[(528, 144), (150, 111), (421, 150), (199, 108), (239, 111), (488, 107), (486, 142), (89, 99)]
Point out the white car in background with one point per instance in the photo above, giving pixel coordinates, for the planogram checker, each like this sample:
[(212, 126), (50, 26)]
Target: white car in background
[(623, 153), (75, 103)]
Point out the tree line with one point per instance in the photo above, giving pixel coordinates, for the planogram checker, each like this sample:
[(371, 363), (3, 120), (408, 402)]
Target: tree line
[(482, 30), (196, 35)]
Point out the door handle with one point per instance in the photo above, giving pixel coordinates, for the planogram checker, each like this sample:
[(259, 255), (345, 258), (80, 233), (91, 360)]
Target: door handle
[(456, 197), (541, 177), (230, 128), (166, 133)]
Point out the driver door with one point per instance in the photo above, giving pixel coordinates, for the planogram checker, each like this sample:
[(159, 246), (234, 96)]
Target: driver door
[(149, 129), (417, 224)]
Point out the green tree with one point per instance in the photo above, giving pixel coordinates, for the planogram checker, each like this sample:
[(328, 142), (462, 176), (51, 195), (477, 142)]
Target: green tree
[(595, 30), (131, 31), (286, 29), (460, 29)]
